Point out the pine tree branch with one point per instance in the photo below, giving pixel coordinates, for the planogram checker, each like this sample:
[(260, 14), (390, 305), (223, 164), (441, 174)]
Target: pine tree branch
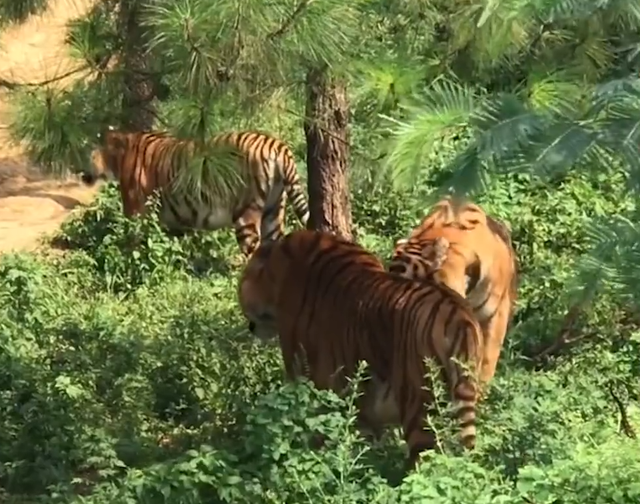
[(288, 22), (11, 85)]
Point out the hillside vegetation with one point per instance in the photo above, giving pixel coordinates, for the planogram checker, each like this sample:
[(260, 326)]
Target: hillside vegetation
[(127, 373)]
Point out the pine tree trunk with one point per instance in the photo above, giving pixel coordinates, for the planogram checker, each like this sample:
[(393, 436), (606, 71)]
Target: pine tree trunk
[(137, 107), (327, 132)]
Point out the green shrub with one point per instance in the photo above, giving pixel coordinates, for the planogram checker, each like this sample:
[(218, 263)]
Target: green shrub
[(127, 373)]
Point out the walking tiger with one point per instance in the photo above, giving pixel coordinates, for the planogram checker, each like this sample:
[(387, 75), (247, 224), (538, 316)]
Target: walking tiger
[(332, 301), (146, 161)]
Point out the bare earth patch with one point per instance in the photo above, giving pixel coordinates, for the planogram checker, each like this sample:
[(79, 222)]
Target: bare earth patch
[(31, 204)]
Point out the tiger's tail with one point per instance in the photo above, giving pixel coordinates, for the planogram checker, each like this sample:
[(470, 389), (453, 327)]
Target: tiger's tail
[(464, 384), (449, 334), (294, 189)]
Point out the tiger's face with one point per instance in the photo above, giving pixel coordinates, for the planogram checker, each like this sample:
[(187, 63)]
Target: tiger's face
[(105, 158), (256, 295)]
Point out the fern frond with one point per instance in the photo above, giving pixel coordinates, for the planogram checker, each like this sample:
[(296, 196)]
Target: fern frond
[(445, 108), (563, 144), (625, 14), (505, 125), (386, 81), (556, 93), (469, 174), (591, 58), (613, 257)]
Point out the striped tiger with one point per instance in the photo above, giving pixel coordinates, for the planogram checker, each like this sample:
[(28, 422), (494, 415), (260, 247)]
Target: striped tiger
[(333, 304), (145, 161), (459, 245)]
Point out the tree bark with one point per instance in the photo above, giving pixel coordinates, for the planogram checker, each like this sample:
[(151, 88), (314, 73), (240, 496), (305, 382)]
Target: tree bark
[(137, 102), (326, 129)]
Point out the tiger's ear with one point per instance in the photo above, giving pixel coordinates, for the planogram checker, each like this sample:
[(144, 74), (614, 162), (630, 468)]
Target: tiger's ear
[(262, 254)]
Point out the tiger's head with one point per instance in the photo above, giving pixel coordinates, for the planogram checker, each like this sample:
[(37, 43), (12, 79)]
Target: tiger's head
[(417, 259), (106, 157), (257, 292)]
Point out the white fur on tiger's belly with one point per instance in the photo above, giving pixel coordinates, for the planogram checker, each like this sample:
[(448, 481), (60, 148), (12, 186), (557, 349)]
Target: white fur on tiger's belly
[(218, 218), (204, 217)]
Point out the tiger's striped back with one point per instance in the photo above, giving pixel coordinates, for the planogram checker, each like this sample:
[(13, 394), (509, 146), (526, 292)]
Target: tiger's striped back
[(143, 162), (334, 301), (462, 247)]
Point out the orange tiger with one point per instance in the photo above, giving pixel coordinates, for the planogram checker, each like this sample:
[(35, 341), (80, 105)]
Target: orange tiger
[(145, 161), (333, 304), (459, 245)]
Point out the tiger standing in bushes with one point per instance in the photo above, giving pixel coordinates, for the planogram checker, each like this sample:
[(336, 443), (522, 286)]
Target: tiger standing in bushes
[(459, 245), (143, 162), (333, 303)]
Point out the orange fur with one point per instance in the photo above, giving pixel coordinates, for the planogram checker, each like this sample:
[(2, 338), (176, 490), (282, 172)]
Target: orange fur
[(143, 162), (460, 246), (334, 301)]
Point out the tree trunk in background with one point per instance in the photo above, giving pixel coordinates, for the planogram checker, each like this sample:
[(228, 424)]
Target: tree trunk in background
[(326, 129), (137, 107)]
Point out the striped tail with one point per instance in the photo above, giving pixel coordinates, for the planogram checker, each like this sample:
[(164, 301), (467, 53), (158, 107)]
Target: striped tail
[(295, 192), (465, 393), (465, 411)]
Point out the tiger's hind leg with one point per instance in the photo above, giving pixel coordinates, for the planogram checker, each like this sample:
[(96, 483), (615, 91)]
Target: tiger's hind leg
[(494, 331), (247, 227), (272, 225), (419, 436), (417, 405)]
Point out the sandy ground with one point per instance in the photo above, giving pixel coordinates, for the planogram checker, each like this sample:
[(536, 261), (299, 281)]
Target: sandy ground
[(31, 204)]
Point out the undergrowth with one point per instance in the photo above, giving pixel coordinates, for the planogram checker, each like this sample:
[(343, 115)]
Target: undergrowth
[(127, 373)]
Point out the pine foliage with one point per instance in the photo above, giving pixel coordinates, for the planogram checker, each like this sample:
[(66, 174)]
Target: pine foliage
[(570, 100), (531, 86)]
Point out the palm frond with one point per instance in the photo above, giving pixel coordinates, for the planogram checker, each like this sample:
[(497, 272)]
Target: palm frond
[(469, 174), (556, 93), (385, 81), (613, 257), (445, 107), (463, 26), (562, 145), (593, 56), (503, 29), (505, 125), (572, 10), (625, 14)]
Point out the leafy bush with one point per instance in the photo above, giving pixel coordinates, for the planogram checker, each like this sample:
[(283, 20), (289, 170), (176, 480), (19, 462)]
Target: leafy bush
[(131, 377)]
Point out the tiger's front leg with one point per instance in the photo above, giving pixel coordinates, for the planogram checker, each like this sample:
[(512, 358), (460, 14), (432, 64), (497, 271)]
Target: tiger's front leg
[(247, 227)]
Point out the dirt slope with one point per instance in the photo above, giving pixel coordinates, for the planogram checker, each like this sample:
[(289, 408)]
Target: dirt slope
[(31, 204)]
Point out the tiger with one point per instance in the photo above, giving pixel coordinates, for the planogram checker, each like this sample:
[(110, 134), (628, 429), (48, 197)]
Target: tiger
[(333, 303), (145, 161), (459, 245)]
